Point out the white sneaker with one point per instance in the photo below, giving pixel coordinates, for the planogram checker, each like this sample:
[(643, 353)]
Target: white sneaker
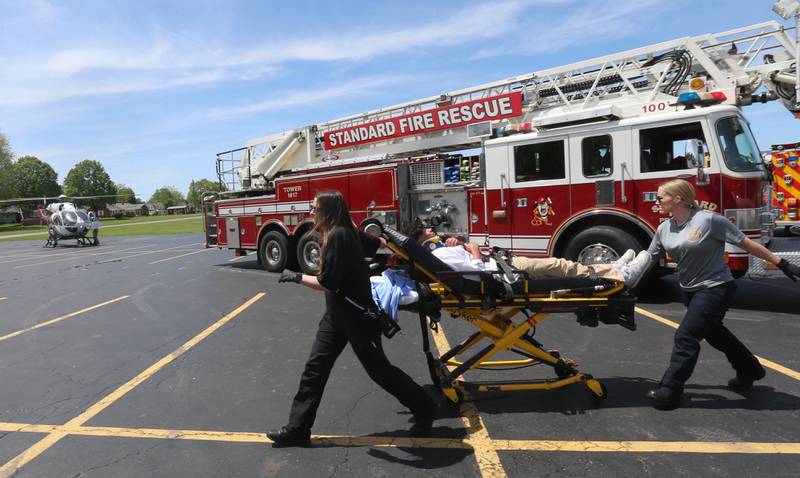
[(624, 259), (636, 269)]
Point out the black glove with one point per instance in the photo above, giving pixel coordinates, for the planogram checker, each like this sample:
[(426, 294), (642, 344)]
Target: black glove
[(791, 270), (290, 276)]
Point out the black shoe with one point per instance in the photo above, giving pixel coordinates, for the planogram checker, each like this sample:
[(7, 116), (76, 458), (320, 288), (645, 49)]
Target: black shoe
[(664, 398), (424, 423), (285, 437), (742, 383)]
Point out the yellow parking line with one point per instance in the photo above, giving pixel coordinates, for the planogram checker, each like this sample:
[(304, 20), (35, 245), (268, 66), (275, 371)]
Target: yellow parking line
[(178, 257), (581, 446), (765, 362), (236, 437), (478, 437), (63, 317), (649, 446), (54, 437)]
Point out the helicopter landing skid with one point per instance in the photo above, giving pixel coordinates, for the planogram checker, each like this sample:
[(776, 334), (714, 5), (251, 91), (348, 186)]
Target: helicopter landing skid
[(85, 241), (82, 241)]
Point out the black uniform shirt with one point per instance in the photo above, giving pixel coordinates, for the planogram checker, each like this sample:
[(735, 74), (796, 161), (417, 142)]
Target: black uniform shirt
[(345, 270)]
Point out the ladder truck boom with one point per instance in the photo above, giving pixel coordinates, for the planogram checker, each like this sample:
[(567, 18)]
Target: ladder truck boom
[(756, 63)]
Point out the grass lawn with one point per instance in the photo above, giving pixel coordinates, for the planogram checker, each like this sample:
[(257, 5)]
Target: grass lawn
[(137, 226)]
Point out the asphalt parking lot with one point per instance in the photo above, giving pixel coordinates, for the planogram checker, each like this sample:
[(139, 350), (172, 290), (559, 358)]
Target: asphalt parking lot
[(150, 356)]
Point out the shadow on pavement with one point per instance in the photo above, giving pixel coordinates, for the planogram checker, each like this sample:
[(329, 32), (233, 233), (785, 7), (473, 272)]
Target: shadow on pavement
[(771, 294), (423, 458), (629, 392)]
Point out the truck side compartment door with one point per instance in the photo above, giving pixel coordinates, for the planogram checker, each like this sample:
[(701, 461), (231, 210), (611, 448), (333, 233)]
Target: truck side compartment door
[(540, 192)]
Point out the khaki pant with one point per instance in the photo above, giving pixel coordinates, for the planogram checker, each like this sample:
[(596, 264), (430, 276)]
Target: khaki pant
[(552, 267)]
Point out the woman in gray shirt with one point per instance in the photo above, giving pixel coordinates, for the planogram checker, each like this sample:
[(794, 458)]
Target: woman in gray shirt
[(695, 239)]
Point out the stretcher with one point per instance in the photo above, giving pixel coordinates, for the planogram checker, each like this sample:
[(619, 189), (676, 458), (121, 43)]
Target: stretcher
[(506, 313)]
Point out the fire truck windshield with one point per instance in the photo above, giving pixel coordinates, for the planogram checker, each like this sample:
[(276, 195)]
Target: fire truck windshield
[(739, 149)]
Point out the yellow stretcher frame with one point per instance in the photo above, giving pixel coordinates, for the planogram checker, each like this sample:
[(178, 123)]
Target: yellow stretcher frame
[(497, 324)]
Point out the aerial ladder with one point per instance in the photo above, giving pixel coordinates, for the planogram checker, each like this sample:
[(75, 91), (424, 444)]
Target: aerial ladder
[(752, 64)]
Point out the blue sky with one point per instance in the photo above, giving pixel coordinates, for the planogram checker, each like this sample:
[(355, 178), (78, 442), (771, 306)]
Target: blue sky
[(154, 89)]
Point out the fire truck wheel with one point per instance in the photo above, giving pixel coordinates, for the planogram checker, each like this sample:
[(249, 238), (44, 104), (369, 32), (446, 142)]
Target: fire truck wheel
[(600, 245), (308, 253), (274, 250)]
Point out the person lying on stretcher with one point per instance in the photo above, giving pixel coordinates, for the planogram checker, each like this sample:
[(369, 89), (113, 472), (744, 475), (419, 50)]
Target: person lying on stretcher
[(394, 287), (466, 256)]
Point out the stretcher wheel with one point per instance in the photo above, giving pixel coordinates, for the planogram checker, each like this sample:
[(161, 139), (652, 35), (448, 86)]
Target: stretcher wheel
[(598, 390)]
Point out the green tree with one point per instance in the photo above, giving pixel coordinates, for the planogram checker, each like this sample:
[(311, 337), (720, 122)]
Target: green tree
[(198, 189), (35, 178), (126, 195), (7, 186), (168, 196), (89, 178)]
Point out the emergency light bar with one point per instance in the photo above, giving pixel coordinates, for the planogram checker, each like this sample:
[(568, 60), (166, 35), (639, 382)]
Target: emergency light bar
[(693, 98)]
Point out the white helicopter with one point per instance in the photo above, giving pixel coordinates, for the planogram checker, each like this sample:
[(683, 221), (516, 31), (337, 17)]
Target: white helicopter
[(65, 221)]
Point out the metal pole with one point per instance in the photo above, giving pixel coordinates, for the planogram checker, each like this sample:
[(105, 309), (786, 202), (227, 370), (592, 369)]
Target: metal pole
[(797, 60)]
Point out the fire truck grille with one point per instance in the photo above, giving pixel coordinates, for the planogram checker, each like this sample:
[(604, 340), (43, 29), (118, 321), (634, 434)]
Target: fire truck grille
[(426, 174)]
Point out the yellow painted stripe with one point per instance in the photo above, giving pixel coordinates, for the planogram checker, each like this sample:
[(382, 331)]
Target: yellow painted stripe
[(39, 447), (581, 446), (765, 362), (478, 437), (235, 437), (178, 257), (649, 446), (657, 318), (63, 317)]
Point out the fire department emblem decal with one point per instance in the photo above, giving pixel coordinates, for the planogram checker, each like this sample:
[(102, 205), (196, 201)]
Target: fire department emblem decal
[(694, 235), (542, 212)]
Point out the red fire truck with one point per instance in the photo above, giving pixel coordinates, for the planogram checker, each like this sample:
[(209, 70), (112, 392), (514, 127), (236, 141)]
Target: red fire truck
[(561, 162)]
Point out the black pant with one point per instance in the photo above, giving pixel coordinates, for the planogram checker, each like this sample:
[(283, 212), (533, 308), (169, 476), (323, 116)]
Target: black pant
[(703, 320), (365, 339)]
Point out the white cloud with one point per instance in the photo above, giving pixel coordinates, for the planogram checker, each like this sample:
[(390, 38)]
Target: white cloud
[(171, 60), (361, 86), (614, 20)]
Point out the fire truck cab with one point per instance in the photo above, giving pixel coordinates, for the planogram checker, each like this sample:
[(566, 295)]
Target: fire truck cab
[(587, 192)]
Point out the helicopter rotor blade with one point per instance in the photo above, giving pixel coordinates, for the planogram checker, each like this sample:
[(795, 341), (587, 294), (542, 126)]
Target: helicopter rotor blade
[(46, 198)]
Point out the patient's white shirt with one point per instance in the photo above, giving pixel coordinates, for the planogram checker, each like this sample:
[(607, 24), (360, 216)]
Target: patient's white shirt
[(461, 260)]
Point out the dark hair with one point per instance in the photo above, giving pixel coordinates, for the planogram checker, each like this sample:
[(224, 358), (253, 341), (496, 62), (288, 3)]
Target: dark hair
[(331, 212), (416, 232)]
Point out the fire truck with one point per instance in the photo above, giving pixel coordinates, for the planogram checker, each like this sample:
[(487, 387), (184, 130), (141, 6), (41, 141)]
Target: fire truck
[(561, 162), (783, 161)]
